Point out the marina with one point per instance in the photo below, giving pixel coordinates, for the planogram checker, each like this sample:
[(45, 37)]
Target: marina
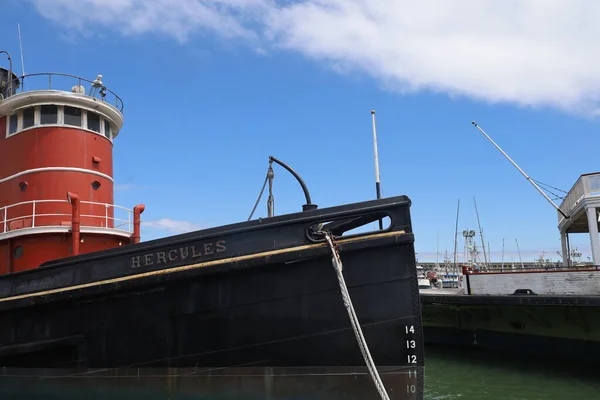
[(542, 310)]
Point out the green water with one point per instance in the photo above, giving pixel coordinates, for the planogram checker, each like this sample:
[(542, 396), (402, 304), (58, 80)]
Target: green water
[(452, 374)]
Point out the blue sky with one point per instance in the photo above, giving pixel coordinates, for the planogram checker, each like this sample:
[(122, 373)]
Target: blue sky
[(212, 88)]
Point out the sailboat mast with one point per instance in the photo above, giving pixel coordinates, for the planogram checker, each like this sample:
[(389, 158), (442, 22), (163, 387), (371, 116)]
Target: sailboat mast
[(519, 251), (456, 236), (480, 233), (502, 266), (437, 250)]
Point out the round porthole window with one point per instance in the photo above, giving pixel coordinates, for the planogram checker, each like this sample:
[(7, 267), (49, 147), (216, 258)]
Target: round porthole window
[(18, 252), (96, 185), (23, 186)]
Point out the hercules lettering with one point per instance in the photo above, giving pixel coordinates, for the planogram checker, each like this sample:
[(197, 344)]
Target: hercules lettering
[(192, 253)]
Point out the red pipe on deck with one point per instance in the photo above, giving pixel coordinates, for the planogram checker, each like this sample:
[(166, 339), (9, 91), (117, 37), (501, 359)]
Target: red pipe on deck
[(137, 211), (75, 222)]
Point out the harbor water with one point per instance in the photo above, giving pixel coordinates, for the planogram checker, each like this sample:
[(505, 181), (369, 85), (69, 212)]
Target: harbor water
[(450, 374), (453, 374)]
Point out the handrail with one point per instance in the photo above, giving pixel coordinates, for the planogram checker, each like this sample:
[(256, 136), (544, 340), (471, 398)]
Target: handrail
[(536, 268), (121, 223), (573, 197), (100, 92)]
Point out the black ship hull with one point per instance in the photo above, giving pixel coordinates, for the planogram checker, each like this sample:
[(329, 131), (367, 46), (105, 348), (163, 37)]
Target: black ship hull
[(256, 296)]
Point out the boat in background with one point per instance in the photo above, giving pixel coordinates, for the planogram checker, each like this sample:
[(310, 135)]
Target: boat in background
[(544, 312), (422, 281), (290, 306)]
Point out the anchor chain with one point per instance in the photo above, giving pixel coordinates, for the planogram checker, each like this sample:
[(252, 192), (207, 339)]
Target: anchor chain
[(362, 344)]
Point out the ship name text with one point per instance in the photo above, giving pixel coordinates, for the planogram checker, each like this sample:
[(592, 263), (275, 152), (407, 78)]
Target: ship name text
[(192, 252)]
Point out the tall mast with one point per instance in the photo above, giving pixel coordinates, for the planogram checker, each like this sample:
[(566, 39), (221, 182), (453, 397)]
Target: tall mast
[(502, 266), (519, 251), (480, 233), (456, 235), (376, 157), (437, 250)]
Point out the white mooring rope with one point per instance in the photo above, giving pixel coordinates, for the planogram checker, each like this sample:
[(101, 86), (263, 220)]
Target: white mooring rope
[(337, 265)]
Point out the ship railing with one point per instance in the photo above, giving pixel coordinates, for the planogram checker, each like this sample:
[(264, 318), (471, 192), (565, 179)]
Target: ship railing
[(64, 82), (108, 219)]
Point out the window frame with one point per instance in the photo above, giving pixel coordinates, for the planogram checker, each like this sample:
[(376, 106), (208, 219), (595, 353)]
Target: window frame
[(22, 117), (38, 110), (60, 120)]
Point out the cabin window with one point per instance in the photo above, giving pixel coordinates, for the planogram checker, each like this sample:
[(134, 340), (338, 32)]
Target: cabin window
[(93, 121), (48, 114), (18, 252), (72, 116), (96, 185), (13, 123), (28, 117), (107, 129), (52, 114)]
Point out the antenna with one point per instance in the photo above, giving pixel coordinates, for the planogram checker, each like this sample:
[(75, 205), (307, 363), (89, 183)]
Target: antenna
[(520, 170), (480, 232), (376, 156), (21, 49)]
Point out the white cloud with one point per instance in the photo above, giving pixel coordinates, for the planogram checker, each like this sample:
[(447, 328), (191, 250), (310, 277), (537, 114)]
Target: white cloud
[(171, 226), (525, 52), (178, 18)]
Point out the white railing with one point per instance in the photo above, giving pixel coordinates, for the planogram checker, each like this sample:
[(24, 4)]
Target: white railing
[(572, 198), (586, 186), (113, 216), (66, 82)]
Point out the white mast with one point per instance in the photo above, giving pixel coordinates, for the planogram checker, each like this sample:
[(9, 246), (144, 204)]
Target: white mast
[(376, 157), (480, 233)]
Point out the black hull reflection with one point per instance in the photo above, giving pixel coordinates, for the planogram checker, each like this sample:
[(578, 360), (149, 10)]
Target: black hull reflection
[(244, 383)]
